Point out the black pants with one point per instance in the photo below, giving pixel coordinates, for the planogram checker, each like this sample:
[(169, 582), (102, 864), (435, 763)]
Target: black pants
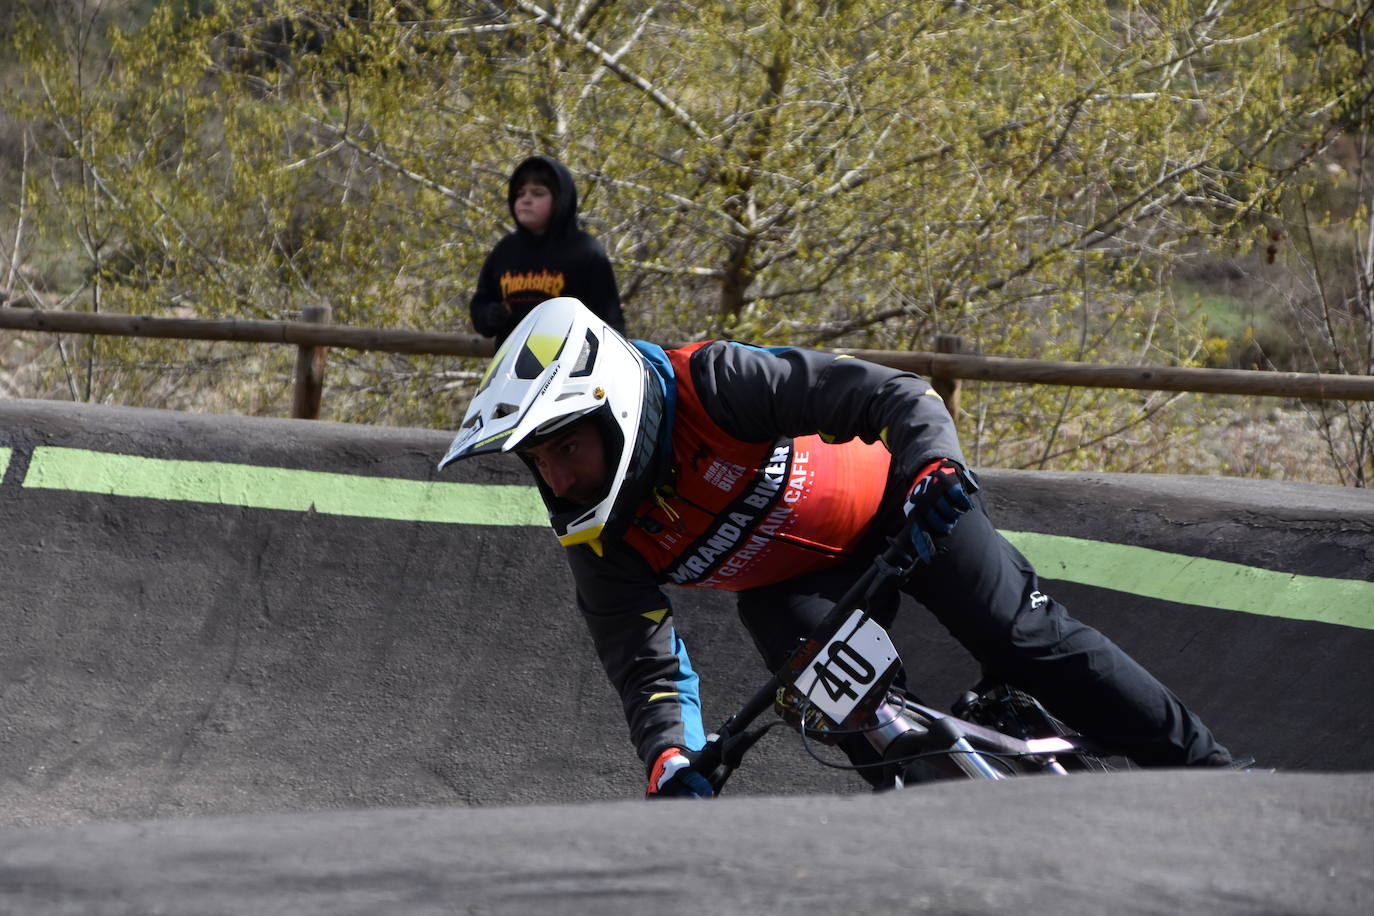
[(987, 595)]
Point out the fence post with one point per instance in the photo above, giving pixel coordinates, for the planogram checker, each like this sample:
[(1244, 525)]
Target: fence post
[(948, 388), (305, 402)]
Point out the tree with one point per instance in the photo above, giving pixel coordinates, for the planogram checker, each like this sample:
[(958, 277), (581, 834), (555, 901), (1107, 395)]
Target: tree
[(821, 172), (1330, 268)]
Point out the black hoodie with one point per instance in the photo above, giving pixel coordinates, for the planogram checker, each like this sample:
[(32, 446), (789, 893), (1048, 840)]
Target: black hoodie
[(524, 269)]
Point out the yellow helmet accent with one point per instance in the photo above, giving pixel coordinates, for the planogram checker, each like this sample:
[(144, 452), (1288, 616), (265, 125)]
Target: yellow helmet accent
[(495, 361), (591, 537), (545, 347)]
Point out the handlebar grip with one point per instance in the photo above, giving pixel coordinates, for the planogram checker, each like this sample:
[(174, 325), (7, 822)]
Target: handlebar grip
[(709, 757)]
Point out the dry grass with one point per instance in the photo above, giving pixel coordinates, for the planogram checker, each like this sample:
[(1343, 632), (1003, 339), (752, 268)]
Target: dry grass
[(1267, 440)]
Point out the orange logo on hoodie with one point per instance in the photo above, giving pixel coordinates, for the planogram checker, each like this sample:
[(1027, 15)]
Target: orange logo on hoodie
[(545, 281)]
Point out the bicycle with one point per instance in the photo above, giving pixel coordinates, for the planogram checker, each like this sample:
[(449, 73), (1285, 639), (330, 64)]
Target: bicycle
[(840, 681)]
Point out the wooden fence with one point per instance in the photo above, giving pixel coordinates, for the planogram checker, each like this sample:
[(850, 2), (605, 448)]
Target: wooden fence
[(945, 367)]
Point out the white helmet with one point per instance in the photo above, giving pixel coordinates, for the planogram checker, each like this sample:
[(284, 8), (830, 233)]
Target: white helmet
[(560, 364)]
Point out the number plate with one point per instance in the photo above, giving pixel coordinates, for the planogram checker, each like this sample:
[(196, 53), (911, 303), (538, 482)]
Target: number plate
[(848, 668)]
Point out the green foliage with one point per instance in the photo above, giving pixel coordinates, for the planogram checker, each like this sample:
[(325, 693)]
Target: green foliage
[(819, 172)]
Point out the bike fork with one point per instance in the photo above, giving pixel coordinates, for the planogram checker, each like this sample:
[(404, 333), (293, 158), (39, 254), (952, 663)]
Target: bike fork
[(972, 762), (895, 736)]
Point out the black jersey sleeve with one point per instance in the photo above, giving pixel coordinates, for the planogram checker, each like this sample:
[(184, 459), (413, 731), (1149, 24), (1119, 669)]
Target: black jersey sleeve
[(759, 394), (631, 624)]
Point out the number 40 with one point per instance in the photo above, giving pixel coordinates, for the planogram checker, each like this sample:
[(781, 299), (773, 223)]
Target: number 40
[(850, 662)]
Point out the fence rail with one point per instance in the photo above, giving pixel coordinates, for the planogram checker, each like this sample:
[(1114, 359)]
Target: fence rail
[(945, 369), (1314, 385), (301, 333)]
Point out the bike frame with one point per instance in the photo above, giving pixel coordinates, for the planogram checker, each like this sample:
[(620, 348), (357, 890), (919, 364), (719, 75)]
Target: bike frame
[(890, 729)]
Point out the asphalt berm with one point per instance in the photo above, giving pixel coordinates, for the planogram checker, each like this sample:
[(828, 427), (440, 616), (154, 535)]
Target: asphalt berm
[(267, 666)]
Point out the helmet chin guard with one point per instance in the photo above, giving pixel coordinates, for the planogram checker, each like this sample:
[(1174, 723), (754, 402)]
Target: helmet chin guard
[(562, 363)]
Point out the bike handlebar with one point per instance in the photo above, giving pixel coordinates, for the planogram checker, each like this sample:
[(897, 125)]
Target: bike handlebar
[(726, 748)]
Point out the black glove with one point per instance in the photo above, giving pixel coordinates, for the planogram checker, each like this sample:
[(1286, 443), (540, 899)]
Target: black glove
[(491, 319), (672, 776), (937, 499)]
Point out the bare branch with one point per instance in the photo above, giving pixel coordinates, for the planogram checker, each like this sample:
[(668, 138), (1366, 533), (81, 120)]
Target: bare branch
[(610, 63)]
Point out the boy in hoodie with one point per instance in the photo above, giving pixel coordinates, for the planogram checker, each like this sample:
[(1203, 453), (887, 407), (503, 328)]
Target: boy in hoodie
[(547, 256)]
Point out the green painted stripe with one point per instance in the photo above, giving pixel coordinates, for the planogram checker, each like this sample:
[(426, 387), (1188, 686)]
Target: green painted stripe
[(1198, 581), (4, 461), (281, 488), (1120, 567)]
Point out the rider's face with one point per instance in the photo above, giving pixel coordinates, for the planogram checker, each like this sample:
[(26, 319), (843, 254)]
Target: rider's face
[(573, 463), (533, 207)]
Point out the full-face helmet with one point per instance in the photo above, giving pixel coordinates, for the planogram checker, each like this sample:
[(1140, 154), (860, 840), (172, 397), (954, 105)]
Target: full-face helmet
[(560, 365)]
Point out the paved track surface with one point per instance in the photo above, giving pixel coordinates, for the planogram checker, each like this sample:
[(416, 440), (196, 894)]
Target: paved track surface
[(1146, 843), (211, 707)]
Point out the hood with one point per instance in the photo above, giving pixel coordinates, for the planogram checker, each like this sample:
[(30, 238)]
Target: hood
[(564, 216)]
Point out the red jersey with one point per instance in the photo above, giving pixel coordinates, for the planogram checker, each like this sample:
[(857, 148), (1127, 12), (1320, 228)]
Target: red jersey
[(742, 514)]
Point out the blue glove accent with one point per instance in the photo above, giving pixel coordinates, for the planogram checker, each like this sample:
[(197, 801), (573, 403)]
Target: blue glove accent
[(936, 501), (925, 547)]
